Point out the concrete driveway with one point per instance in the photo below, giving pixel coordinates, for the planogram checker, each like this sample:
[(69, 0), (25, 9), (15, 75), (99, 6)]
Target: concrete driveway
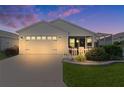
[(32, 71)]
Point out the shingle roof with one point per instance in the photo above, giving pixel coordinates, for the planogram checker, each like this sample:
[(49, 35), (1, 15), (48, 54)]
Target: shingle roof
[(102, 34), (39, 23), (56, 27), (72, 25), (8, 34), (118, 35)]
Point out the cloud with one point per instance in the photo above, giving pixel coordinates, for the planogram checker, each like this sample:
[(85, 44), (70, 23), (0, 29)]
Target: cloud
[(71, 12), (18, 16), (64, 12)]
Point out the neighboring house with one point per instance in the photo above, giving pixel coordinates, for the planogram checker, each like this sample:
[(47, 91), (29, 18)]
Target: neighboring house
[(118, 37), (104, 39), (7, 40), (55, 37)]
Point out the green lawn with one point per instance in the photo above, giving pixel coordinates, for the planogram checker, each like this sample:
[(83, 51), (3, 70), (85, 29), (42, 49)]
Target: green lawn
[(93, 76), (2, 56)]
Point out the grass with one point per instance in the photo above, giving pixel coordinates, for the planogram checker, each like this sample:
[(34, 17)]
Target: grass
[(94, 76), (2, 56)]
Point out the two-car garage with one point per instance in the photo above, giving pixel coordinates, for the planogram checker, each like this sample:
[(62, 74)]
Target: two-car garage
[(42, 38), (43, 46)]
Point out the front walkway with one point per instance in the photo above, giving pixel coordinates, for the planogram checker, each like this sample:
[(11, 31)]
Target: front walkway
[(32, 71)]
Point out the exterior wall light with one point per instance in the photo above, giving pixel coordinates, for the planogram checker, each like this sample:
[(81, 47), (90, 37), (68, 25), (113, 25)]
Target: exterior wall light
[(77, 41)]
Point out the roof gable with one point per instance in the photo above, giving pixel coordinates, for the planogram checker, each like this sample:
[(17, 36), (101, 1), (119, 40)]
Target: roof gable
[(70, 27), (8, 34), (118, 35), (41, 27)]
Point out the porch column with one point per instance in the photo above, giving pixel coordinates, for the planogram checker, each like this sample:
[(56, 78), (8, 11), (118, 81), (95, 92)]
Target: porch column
[(85, 42), (93, 41)]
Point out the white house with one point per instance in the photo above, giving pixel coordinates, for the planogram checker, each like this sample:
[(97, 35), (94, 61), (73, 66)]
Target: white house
[(55, 37), (104, 39), (7, 40), (118, 37)]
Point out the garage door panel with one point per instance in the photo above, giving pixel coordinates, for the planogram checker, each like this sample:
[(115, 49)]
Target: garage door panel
[(41, 47)]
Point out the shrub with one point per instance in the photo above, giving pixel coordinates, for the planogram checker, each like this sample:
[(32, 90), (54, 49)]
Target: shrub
[(2, 55), (80, 58), (11, 51), (97, 54), (114, 51), (117, 43)]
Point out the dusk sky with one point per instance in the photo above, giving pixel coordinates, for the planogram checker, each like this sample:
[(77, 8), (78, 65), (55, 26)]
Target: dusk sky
[(104, 19)]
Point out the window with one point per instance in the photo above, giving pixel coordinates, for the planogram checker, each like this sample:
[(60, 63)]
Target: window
[(28, 37), (89, 41), (54, 38), (49, 37), (43, 37), (38, 38), (72, 42), (33, 38)]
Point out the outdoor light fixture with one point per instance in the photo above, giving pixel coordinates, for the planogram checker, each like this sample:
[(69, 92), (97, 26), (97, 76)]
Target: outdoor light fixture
[(21, 37), (77, 41)]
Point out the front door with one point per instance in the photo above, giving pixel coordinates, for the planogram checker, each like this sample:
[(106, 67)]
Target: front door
[(76, 42)]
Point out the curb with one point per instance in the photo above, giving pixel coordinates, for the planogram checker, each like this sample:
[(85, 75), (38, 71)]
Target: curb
[(93, 62)]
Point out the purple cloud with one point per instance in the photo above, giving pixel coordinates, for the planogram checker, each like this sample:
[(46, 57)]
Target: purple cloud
[(18, 16), (64, 12), (70, 12)]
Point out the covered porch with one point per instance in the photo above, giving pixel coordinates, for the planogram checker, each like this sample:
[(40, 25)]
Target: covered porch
[(80, 44)]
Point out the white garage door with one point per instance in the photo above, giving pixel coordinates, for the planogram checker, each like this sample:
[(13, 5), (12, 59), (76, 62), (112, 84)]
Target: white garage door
[(41, 47)]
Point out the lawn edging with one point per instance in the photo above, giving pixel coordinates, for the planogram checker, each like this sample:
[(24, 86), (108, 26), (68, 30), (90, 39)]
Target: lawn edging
[(93, 62)]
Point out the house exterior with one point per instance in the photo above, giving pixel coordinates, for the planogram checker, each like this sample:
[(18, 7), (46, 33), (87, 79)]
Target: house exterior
[(118, 37), (104, 39), (55, 37), (7, 40)]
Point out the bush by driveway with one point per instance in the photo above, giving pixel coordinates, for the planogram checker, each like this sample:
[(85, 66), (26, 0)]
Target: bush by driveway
[(2, 55)]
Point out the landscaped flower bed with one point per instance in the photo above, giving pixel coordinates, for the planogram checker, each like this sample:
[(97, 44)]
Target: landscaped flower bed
[(105, 53)]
